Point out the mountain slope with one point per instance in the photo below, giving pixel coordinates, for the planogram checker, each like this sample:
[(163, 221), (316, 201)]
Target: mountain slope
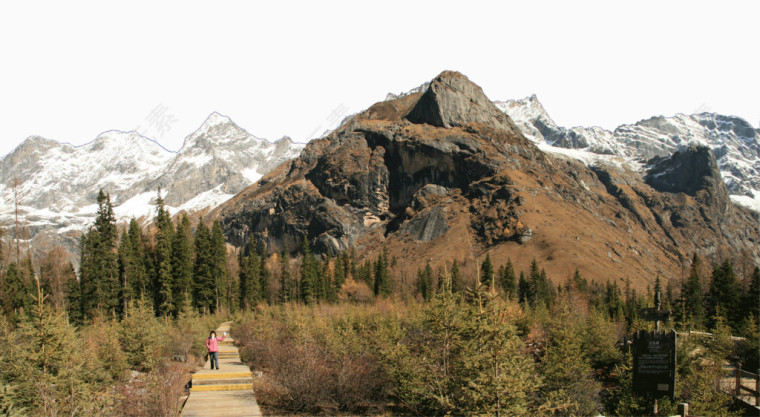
[(443, 174), (735, 143), (57, 183)]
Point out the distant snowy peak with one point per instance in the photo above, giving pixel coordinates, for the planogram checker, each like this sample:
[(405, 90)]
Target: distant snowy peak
[(421, 88), (57, 183), (735, 142)]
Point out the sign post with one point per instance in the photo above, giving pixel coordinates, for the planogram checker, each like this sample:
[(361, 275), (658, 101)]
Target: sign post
[(654, 357)]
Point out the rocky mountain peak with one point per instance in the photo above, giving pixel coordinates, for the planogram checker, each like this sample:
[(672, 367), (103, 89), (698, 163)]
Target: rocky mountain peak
[(453, 100), (692, 170)]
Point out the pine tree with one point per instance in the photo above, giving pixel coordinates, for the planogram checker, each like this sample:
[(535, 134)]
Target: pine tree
[(182, 265), (565, 367), (507, 280), (340, 271), (309, 275), (486, 272), (425, 282), (163, 279), (132, 260), (286, 285), (99, 268), (219, 265), (540, 289), (382, 279), (48, 364), (250, 283), (456, 278), (74, 302), (523, 289), (724, 295), (16, 292), (203, 275), (264, 275), (751, 299)]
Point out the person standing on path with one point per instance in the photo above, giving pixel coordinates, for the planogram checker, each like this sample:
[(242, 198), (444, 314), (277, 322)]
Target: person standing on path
[(213, 348)]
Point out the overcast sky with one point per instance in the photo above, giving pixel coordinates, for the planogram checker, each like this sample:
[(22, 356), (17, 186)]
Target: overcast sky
[(71, 70)]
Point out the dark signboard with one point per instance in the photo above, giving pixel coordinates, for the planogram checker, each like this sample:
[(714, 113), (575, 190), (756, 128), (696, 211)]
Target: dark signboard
[(654, 363)]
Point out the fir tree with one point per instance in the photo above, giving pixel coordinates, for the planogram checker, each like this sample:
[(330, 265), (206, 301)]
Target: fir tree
[(203, 275), (456, 278), (724, 295), (219, 265), (309, 275), (486, 272), (163, 279), (286, 290), (16, 292), (507, 280), (523, 289), (425, 282), (340, 271), (182, 265), (99, 268), (250, 270), (751, 299), (382, 279)]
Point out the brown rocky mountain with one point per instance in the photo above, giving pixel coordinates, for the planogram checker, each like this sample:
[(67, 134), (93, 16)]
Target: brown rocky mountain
[(442, 174)]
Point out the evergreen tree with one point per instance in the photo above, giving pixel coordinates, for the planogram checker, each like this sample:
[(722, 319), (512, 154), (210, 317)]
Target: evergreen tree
[(219, 265), (134, 262), (163, 279), (16, 292), (382, 279), (203, 275), (567, 372), (250, 271), (99, 267), (523, 289), (340, 271), (540, 289), (456, 278), (425, 282), (266, 291), (486, 272), (309, 275), (724, 295), (182, 265), (751, 299), (507, 279), (47, 366), (74, 302), (286, 285), (692, 301)]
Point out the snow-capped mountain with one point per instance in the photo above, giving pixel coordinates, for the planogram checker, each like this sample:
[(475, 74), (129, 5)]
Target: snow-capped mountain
[(735, 143), (56, 184)]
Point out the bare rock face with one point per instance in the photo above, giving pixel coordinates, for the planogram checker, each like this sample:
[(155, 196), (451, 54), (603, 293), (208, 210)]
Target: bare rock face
[(453, 100), (442, 174), (694, 171)]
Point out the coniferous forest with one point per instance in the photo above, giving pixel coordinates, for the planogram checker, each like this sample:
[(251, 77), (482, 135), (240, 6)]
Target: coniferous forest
[(343, 335)]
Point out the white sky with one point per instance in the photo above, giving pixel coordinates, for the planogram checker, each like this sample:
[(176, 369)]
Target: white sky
[(71, 70)]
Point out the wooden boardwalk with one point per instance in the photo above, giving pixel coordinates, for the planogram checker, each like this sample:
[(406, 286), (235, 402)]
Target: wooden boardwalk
[(227, 391)]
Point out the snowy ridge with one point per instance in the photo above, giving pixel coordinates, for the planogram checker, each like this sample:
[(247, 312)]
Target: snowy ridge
[(57, 183), (735, 143)]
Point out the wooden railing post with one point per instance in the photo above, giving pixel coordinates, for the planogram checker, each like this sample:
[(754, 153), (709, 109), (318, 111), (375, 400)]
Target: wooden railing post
[(757, 388), (738, 379)]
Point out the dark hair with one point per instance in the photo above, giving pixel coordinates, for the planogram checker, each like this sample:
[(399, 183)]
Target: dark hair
[(213, 331)]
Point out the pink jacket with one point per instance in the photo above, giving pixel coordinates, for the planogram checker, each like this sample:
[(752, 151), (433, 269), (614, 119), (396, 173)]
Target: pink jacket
[(211, 344)]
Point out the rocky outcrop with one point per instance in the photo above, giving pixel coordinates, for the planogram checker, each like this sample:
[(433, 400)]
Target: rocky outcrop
[(452, 100), (442, 174)]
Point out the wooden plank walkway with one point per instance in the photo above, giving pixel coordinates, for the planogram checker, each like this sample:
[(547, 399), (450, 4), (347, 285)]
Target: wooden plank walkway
[(227, 391)]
